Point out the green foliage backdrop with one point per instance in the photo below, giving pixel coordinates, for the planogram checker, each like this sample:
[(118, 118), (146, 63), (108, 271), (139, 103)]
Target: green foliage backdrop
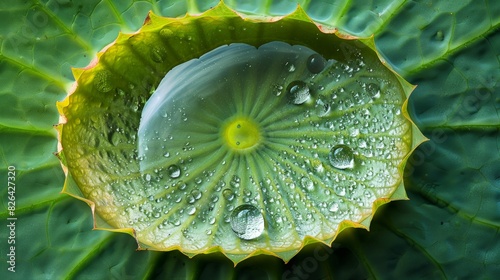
[(448, 229)]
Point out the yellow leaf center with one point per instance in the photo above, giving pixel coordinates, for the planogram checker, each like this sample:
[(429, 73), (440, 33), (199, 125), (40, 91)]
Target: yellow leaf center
[(241, 133)]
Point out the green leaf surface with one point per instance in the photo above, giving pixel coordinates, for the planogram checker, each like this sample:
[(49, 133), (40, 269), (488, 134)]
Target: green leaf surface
[(448, 229), (179, 182)]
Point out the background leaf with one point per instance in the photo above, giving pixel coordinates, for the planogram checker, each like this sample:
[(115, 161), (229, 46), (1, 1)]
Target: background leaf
[(448, 229)]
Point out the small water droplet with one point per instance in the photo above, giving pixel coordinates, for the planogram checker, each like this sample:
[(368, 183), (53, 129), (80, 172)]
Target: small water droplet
[(247, 222), (322, 108), (333, 207), (198, 180), (317, 165), (158, 54), (174, 171), (341, 157), (277, 89), (102, 81), (439, 36), (235, 182), (196, 194), (299, 92), (290, 67), (373, 90), (341, 191), (191, 210), (115, 138), (315, 63), (228, 194)]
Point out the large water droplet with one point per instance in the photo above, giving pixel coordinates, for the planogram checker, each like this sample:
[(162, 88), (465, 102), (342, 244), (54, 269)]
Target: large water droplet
[(315, 63), (299, 92), (102, 81), (174, 171), (247, 222), (341, 157)]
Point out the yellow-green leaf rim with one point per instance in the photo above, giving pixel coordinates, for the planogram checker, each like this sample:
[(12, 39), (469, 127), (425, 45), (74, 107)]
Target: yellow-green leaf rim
[(265, 185)]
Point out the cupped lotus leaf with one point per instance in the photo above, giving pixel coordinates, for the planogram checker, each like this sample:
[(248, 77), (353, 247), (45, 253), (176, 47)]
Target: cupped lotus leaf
[(449, 229), (217, 132)]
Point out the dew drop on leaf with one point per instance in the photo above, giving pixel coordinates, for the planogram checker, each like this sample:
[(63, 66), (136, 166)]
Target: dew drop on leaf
[(307, 184), (237, 140), (166, 33), (322, 108), (277, 89), (439, 36), (191, 210), (299, 92), (373, 89), (174, 171), (315, 63), (102, 81), (247, 222), (333, 207), (228, 194), (290, 67), (158, 54), (341, 157), (196, 194)]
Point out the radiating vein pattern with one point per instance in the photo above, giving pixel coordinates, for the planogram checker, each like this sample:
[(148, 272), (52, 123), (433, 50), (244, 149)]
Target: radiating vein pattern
[(253, 148)]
